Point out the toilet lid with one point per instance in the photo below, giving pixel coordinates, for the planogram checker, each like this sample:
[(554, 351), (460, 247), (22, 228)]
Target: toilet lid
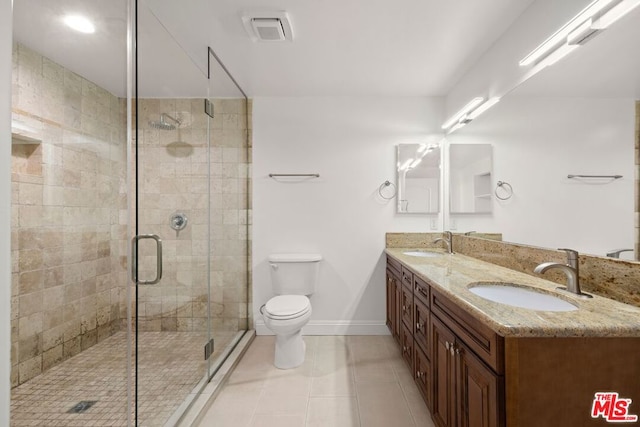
[(287, 306)]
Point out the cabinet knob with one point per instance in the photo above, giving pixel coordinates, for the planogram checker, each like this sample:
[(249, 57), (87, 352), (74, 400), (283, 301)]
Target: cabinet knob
[(418, 326), (452, 349), (419, 374), (446, 345)]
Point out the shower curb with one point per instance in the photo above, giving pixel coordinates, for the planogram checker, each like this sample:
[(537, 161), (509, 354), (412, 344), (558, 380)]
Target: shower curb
[(194, 414)]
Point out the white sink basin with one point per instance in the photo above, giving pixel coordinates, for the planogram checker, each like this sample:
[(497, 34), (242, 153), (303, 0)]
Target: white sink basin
[(520, 296), (423, 254)]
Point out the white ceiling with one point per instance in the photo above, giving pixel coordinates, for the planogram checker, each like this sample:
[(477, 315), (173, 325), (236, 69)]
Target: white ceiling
[(359, 47)]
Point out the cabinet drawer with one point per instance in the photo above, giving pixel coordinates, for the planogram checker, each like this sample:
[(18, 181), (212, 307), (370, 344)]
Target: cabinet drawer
[(406, 344), (484, 342), (421, 290), (407, 307), (421, 325), (407, 277), (422, 374), (394, 266)]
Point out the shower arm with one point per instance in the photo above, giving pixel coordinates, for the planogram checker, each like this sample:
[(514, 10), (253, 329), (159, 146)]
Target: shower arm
[(165, 115)]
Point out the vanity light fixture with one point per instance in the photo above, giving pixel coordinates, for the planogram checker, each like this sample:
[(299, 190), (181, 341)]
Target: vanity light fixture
[(560, 36), (460, 115), (79, 23), (615, 13), (406, 164), (415, 163), (599, 15), (483, 107), (471, 111)]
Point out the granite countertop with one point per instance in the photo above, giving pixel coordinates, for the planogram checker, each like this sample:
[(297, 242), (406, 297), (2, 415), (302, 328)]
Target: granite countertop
[(452, 274)]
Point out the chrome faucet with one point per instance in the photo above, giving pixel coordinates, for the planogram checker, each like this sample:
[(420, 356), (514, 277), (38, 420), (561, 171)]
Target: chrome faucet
[(616, 252), (570, 269), (448, 241)]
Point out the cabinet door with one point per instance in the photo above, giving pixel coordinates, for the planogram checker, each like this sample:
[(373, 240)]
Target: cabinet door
[(391, 300), (421, 324), (480, 391), (443, 374), (422, 374), (406, 343), (407, 307), (397, 324)]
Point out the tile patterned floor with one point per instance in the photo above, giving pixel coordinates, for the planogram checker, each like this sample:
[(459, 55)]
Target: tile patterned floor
[(171, 365), (344, 382)]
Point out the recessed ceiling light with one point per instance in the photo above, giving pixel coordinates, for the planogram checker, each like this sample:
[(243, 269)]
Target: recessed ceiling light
[(80, 23)]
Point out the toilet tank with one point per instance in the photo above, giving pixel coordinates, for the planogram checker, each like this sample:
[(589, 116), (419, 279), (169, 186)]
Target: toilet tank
[(294, 274)]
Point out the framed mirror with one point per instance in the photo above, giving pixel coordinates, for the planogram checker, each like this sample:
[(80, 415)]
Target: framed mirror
[(419, 170), (470, 179)]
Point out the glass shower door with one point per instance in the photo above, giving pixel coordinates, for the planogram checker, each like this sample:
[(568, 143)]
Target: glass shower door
[(170, 242)]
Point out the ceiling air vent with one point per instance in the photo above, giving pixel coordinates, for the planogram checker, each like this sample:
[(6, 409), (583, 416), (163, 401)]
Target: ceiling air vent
[(267, 26)]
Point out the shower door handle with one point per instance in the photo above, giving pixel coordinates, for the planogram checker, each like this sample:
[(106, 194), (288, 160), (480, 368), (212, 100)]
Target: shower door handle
[(134, 259)]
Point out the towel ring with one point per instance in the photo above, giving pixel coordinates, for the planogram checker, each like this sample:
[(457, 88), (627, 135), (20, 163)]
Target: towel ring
[(383, 186), (506, 187)]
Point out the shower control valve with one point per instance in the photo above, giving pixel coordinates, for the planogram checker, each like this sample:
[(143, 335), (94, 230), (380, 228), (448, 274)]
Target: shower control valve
[(178, 221)]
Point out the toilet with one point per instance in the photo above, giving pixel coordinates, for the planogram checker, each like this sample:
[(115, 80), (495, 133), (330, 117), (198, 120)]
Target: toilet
[(293, 279)]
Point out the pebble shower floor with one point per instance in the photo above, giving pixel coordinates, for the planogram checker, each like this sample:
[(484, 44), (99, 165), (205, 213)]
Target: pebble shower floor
[(171, 364)]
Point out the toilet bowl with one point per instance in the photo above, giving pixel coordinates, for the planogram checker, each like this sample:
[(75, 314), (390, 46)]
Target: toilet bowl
[(293, 280), (285, 316)]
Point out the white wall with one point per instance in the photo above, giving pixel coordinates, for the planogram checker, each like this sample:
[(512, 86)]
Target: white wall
[(537, 142), (351, 143), (6, 17)]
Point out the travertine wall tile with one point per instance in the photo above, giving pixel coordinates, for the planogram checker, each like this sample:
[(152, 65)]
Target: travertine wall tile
[(64, 202)]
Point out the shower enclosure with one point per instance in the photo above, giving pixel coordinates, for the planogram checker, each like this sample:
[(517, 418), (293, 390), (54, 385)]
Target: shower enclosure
[(130, 216)]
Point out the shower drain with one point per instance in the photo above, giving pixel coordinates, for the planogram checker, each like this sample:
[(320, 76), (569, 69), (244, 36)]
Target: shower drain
[(81, 407)]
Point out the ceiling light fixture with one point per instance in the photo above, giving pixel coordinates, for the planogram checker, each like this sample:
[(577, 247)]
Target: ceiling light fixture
[(599, 15), (470, 111), (80, 23)]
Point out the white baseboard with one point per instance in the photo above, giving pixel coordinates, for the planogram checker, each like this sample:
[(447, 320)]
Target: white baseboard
[(334, 327)]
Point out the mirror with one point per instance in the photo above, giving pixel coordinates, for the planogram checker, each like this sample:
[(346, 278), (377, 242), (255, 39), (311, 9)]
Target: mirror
[(470, 178), (577, 117), (418, 178)]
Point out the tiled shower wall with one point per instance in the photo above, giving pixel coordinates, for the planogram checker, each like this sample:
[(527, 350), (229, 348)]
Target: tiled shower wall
[(174, 178), (66, 180)]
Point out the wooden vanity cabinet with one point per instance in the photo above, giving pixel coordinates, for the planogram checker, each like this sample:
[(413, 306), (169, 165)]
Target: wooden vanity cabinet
[(394, 298), (467, 368), (469, 375), (467, 392), (408, 311)]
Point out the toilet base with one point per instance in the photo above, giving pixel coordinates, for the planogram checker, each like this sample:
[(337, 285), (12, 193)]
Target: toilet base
[(290, 350)]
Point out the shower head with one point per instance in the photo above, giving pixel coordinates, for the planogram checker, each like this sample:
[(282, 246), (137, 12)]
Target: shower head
[(162, 124)]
